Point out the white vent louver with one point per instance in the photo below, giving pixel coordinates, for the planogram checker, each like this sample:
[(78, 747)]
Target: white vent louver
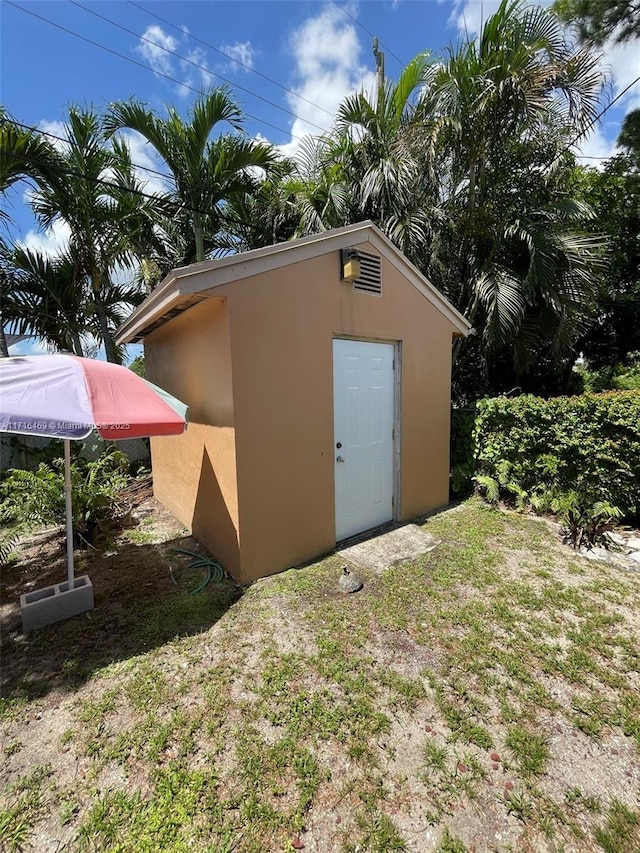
[(370, 280)]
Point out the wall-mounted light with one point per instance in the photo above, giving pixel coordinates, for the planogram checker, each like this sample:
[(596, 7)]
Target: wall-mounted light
[(349, 264)]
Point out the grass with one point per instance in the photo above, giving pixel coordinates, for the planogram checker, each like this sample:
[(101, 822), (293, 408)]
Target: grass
[(621, 832), (446, 690), (450, 844), (24, 804), (530, 751)]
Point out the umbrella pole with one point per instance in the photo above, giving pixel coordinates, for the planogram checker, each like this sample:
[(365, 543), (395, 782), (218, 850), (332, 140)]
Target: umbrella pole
[(67, 495)]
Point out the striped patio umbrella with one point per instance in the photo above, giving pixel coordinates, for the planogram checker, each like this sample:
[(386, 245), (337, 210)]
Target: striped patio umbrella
[(65, 396)]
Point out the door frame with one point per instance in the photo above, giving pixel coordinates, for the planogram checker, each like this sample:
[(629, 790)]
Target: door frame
[(397, 417)]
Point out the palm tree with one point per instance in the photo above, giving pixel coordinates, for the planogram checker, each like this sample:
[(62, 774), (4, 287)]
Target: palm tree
[(207, 171), (45, 300), (504, 108), (24, 154), (367, 168), (91, 189), (267, 216)]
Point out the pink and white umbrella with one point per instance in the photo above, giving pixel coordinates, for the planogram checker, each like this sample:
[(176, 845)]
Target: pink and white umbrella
[(65, 396)]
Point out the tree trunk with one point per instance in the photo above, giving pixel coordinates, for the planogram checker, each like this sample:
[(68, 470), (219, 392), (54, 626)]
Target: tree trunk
[(197, 231), (77, 344), (4, 349), (101, 315)]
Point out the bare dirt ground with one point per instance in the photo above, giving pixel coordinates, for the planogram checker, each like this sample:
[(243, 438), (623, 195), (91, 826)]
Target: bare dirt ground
[(485, 697)]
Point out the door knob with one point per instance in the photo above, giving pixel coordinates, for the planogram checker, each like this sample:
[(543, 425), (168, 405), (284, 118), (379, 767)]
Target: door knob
[(339, 459)]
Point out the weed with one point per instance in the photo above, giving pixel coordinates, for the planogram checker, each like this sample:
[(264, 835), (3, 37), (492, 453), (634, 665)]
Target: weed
[(379, 834), (67, 736), (68, 811), (235, 755), (15, 828), (12, 748), (450, 844), (575, 799), (530, 751), (621, 832), (140, 537), (408, 691), (435, 757), (17, 819), (147, 688), (11, 707), (91, 711), (518, 803)]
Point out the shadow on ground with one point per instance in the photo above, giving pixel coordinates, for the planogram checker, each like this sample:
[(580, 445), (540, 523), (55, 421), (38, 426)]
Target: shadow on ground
[(138, 606)]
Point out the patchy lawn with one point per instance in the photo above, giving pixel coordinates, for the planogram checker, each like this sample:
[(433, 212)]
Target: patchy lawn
[(485, 698)]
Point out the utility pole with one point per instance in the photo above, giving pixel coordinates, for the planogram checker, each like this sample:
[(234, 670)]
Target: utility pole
[(379, 55)]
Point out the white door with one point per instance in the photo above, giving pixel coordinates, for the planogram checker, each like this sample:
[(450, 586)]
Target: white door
[(363, 401)]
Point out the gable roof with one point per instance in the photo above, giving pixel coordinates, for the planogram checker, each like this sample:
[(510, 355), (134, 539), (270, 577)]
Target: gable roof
[(184, 287)]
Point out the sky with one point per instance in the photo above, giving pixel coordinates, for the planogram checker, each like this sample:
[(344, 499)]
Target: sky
[(289, 63)]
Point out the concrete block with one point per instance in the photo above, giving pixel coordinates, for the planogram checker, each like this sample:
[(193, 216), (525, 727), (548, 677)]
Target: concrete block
[(55, 603), (385, 551)]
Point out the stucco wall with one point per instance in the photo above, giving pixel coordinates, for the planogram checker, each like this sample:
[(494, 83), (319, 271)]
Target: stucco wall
[(194, 475), (282, 325)]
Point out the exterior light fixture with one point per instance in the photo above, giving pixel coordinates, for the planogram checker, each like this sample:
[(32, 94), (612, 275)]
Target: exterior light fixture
[(349, 264)]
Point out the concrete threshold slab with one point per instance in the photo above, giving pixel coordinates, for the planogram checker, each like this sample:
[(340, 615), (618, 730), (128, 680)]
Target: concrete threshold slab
[(388, 549)]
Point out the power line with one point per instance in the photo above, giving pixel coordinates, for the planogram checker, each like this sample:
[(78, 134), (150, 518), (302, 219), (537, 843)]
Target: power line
[(36, 129), (139, 64), (368, 32), (594, 120), (230, 57), (67, 170), (193, 63)]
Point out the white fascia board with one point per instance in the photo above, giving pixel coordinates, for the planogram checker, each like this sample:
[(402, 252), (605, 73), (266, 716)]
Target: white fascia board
[(154, 306)]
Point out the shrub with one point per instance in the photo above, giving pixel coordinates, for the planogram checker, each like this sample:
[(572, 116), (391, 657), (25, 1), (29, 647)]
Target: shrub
[(37, 497), (585, 522), (616, 378), (549, 454)]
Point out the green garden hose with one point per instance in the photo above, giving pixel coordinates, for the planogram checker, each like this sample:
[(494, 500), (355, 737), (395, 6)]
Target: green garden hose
[(213, 568)]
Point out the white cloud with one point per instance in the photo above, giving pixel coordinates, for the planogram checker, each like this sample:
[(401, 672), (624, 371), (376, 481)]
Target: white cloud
[(154, 49), (326, 53), (143, 154), (623, 60), (57, 131), (50, 242), (29, 346), (198, 57), (242, 52), (468, 15), (595, 149), (189, 69)]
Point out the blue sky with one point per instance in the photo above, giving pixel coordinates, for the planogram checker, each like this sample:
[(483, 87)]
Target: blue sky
[(317, 51)]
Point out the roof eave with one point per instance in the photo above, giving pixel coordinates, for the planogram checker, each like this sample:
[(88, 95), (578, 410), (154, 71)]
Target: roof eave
[(182, 283)]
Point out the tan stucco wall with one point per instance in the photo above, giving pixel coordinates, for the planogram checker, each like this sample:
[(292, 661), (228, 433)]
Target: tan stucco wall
[(282, 326), (194, 475), (253, 476)]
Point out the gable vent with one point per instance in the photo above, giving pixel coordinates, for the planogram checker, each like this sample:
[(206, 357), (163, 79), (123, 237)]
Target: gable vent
[(370, 280)]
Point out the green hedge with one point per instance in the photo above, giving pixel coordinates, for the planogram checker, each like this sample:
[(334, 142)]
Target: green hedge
[(534, 450)]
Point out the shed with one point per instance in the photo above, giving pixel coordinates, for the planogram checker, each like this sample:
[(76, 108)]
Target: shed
[(319, 406)]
